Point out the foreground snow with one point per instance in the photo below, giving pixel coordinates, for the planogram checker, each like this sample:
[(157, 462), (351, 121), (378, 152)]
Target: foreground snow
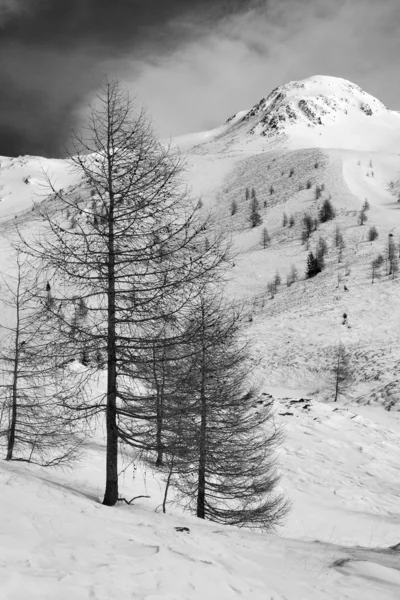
[(340, 470)]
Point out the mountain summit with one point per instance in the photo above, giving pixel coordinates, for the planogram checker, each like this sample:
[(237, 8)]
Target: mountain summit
[(320, 111), (313, 101)]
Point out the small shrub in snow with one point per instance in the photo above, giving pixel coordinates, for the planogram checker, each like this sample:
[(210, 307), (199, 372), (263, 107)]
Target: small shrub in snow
[(271, 190), (291, 172), (372, 233), (271, 288), (375, 266), (291, 221), (292, 276), (322, 249), (284, 220), (233, 207), (338, 237), (265, 239), (308, 224), (309, 184)]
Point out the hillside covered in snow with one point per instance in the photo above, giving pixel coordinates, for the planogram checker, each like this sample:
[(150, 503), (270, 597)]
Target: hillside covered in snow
[(306, 142)]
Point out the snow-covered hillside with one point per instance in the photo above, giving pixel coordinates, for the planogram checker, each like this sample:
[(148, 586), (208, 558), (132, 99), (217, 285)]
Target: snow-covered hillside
[(354, 154), (339, 461)]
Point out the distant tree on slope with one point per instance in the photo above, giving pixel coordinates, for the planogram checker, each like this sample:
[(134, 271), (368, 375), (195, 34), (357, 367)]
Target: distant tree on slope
[(255, 217), (342, 371), (326, 212)]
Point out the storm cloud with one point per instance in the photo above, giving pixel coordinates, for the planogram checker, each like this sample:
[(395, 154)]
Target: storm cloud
[(53, 52), (193, 63)]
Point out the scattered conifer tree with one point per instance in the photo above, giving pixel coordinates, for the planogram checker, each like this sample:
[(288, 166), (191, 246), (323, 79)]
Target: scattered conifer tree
[(255, 217), (284, 220), (391, 257), (326, 212), (362, 217), (313, 266), (233, 207), (291, 221)]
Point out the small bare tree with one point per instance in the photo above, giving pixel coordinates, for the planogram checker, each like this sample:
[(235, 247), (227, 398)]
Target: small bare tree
[(36, 383), (265, 239), (342, 371)]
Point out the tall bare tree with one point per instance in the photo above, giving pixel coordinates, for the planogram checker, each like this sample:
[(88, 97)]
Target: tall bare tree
[(136, 255)]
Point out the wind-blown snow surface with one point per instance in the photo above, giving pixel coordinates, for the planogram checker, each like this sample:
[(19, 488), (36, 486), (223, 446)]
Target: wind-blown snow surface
[(339, 462), (340, 469)]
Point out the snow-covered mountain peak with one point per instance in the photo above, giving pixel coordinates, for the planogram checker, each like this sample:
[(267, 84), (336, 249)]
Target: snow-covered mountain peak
[(318, 100)]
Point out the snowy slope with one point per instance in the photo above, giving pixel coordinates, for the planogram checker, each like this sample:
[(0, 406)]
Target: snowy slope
[(352, 146), (23, 182), (339, 462)]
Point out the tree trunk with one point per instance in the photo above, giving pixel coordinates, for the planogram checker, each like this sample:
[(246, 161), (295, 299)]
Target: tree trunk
[(337, 377), (111, 492), (201, 485), (159, 410), (13, 420)]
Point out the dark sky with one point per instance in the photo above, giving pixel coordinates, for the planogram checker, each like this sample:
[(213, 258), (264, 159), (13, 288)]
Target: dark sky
[(53, 52), (192, 63)]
